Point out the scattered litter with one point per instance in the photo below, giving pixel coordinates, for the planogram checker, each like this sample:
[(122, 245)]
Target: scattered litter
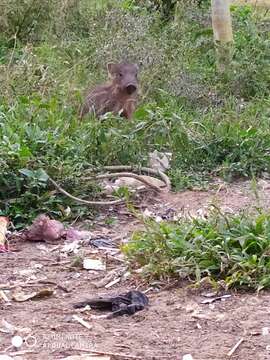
[(209, 294), (99, 317), (102, 242), (44, 229), (71, 247), (75, 234), (160, 161), (196, 312), (51, 282), (3, 296), (67, 211), (5, 357), (82, 322), (115, 281), (187, 357), (4, 221), (105, 280), (160, 215), (192, 307), (127, 275), (147, 213), (255, 333), (265, 331), (199, 316), (211, 300), (8, 328), (93, 264), (26, 272), (87, 357), (42, 247), (87, 308), (38, 266), (220, 317), (101, 355), (17, 341), (17, 354), (43, 293), (123, 304), (232, 351), (111, 276)]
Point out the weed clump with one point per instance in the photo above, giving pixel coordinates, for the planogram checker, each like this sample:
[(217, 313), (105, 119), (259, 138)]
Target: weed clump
[(234, 249)]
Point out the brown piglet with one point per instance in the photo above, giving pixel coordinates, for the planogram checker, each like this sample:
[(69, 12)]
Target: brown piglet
[(119, 96)]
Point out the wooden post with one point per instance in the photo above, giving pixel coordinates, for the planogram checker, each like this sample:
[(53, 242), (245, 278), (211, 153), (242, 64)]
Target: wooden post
[(223, 35)]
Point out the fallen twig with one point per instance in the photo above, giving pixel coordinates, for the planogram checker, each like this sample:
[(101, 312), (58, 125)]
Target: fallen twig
[(82, 201), (125, 356), (82, 322), (61, 287), (13, 286), (232, 351), (19, 353), (3, 296), (113, 282), (132, 169)]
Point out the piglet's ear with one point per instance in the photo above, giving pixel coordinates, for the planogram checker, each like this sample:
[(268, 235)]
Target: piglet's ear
[(112, 68)]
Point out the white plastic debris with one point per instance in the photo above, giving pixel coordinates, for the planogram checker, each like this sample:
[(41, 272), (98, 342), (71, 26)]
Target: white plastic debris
[(71, 247), (187, 357), (147, 213), (17, 341), (265, 331), (160, 161), (8, 328), (93, 264)]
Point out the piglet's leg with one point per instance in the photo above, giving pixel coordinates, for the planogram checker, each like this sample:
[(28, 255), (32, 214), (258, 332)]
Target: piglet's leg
[(128, 109)]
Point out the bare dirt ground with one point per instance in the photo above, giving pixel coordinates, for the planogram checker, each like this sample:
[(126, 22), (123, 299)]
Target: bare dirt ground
[(175, 323)]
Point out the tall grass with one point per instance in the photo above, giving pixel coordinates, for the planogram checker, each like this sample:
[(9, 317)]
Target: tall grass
[(49, 56)]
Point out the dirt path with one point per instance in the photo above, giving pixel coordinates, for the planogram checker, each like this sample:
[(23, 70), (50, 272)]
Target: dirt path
[(176, 323)]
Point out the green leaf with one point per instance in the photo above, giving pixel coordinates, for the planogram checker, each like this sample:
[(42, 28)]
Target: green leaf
[(26, 172), (42, 175)]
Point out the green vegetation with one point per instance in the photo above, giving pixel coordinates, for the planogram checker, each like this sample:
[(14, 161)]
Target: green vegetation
[(234, 249), (51, 51)]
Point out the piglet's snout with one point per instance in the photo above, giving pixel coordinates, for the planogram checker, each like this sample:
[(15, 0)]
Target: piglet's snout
[(131, 88)]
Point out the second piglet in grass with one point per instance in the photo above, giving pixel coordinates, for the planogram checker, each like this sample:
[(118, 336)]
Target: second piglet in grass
[(119, 96)]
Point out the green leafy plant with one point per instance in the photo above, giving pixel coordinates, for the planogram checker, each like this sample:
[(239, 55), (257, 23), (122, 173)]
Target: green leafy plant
[(235, 249)]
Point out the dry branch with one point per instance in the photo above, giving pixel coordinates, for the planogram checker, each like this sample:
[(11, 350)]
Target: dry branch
[(131, 169), (124, 174), (82, 201)]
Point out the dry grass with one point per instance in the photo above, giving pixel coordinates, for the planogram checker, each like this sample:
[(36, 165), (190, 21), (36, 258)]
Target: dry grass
[(261, 3)]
